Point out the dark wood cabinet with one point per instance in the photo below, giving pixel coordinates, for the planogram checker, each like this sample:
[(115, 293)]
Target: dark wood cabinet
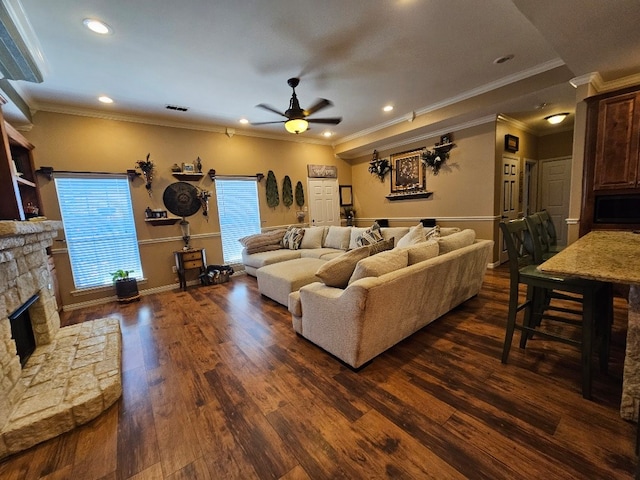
[(611, 177), (187, 260), (19, 193), (618, 131)]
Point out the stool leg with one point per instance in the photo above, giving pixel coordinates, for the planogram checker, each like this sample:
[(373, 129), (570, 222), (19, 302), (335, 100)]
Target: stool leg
[(511, 320), (588, 328)]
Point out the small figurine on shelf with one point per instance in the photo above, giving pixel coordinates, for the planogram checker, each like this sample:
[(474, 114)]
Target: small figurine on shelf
[(199, 165), (147, 170)]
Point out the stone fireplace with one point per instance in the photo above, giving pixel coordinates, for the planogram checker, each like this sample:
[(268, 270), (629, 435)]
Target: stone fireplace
[(73, 374)]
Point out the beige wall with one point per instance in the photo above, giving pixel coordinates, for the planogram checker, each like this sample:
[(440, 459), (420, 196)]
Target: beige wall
[(462, 191), (556, 145), (69, 142)]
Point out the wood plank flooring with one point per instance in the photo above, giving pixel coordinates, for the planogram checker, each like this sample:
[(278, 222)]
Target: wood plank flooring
[(218, 386)]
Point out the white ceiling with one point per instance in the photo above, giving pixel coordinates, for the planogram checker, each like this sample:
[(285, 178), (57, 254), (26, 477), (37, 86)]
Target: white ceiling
[(221, 58)]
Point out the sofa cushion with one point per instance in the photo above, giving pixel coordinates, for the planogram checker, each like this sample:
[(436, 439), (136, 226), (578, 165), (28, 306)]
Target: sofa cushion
[(456, 240), (263, 242), (381, 246), (444, 231), (337, 237), (293, 238), (356, 232), (370, 236), (337, 271), (394, 232), (415, 235), (318, 252), (313, 237), (377, 265), (422, 251)]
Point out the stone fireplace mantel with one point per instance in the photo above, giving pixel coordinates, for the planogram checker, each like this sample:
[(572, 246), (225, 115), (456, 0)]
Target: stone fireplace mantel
[(74, 374)]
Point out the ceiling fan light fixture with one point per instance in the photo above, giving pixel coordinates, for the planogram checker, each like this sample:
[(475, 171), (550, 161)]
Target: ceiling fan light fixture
[(296, 125), (556, 118)]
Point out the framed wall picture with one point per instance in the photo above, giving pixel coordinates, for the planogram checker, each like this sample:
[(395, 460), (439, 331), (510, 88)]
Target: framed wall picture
[(511, 143), (407, 172), (346, 196), (322, 171), (188, 168)]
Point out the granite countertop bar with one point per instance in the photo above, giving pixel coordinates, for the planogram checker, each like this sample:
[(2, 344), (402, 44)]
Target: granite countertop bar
[(605, 255)]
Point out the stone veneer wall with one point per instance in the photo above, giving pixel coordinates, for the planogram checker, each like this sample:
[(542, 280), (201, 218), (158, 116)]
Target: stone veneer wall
[(23, 273)]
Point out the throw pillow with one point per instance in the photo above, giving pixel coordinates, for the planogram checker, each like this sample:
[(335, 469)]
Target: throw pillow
[(370, 236), (380, 264), (263, 242), (337, 237), (337, 271), (433, 232), (293, 238), (312, 237), (456, 240), (423, 251), (353, 239), (381, 246), (415, 235)]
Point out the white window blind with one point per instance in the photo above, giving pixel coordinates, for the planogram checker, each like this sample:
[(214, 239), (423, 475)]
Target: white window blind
[(238, 213), (98, 227)]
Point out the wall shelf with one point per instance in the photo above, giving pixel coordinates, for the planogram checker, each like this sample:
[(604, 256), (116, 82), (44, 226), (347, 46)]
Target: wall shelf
[(162, 221), (188, 176), (408, 196)]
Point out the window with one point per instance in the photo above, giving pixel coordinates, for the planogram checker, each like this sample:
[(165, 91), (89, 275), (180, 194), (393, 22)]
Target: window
[(98, 227), (239, 215)]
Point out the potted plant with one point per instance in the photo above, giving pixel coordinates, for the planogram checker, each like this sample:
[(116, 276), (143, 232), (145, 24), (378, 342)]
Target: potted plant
[(126, 286)]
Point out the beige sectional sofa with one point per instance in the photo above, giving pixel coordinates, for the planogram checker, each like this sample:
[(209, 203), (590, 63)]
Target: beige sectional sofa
[(375, 312)]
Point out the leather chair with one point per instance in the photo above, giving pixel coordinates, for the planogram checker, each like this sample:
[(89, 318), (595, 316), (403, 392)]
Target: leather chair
[(541, 309)]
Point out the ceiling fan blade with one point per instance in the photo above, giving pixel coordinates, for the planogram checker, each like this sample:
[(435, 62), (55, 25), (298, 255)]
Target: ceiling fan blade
[(319, 105), (267, 123), (271, 109), (333, 121)]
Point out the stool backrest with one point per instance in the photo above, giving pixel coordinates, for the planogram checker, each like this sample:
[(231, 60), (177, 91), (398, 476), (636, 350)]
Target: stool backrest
[(539, 237), (549, 227), (518, 241)]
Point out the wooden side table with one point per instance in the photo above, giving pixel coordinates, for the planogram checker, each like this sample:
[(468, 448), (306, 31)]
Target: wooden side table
[(189, 259)]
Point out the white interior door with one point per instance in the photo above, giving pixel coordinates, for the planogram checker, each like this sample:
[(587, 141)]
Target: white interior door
[(509, 196), (324, 208), (555, 185)]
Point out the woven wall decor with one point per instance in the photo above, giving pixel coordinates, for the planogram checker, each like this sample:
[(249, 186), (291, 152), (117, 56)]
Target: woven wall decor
[(273, 199)]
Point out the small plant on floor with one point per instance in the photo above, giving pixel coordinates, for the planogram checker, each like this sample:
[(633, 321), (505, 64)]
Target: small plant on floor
[(120, 275)]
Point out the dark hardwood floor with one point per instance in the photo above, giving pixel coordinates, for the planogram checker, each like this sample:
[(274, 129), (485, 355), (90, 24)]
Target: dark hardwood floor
[(218, 386)]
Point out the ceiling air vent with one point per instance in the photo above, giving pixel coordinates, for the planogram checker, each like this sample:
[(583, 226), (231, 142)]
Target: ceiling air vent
[(176, 108)]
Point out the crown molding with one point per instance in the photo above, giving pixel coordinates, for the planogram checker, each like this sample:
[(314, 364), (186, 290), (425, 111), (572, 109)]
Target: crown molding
[(502, 82), (592, 78), (517, 123)]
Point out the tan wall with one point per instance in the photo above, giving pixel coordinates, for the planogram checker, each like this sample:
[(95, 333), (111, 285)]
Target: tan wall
[(69, 142), (462, 191), (556, 145)]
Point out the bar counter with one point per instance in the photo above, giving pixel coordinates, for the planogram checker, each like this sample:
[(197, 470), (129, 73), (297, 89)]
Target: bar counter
[(611, 256)]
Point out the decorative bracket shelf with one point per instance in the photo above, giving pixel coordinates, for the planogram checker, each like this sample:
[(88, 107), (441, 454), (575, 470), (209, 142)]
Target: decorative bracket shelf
[(188, 176), (162, 221), (408, 196)]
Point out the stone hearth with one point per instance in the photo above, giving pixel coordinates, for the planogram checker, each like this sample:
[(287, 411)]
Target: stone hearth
[(74, 373)]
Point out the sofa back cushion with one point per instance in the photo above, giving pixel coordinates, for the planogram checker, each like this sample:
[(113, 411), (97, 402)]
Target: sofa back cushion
[(457, 240), (379, 264), (293, 238), (337, 271), (313, 237), (263, 242), (444, 231), (422, 251), (337, 237), (394, 232)]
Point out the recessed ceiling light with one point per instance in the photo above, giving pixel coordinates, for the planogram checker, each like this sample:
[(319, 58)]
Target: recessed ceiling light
[(557, 118), (243, 121), (327, 134), (387, 108), (97, 26), (105, 99), (504, 58)]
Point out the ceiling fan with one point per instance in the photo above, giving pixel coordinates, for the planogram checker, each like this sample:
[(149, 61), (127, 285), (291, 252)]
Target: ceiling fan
[(296, 117)]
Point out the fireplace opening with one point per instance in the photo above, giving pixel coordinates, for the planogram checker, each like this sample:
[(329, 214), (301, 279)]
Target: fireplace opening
[(22, 330)]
